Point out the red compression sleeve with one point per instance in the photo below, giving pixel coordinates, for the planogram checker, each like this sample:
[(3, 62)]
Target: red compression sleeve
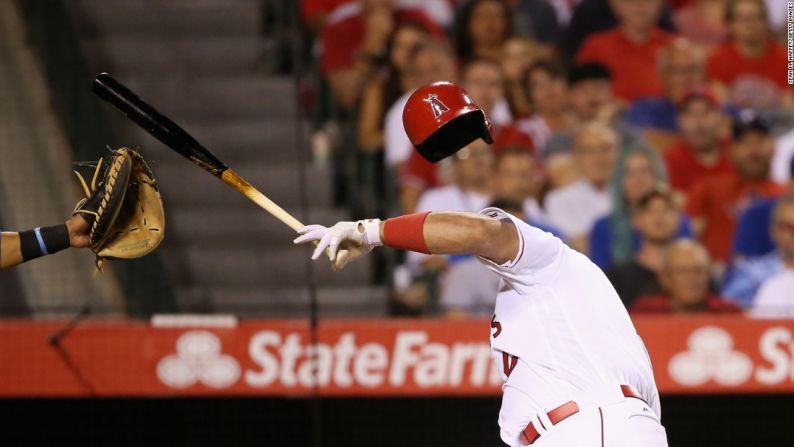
[(406, 232)]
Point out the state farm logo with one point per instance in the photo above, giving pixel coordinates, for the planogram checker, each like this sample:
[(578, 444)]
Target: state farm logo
[(198, 359), (710, 357), (288, 360)]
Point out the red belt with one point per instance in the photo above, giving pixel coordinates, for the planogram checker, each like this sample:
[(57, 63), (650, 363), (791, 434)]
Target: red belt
[(566, 410)]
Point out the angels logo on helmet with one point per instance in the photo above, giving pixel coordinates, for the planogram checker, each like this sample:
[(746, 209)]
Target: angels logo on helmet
[(438, 107)]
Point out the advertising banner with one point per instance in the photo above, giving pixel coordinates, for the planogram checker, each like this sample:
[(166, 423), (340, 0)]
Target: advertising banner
[(394, 357)]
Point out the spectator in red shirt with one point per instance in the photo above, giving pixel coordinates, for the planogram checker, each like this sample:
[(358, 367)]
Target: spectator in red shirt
[(631, 49), (715, 202), (354, 44), (686, 282), (701, 151), (750, 67), (481, 29)]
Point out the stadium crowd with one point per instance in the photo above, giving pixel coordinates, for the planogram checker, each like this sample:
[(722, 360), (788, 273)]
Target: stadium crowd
[(654, 136)]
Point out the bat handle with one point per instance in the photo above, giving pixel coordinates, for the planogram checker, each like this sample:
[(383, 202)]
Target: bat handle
[(232, 179)]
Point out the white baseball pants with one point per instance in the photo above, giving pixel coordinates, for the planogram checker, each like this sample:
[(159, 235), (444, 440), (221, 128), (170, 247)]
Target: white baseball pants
[(608, 420)]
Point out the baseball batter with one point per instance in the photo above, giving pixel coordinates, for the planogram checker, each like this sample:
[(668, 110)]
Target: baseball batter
[(576, 373)]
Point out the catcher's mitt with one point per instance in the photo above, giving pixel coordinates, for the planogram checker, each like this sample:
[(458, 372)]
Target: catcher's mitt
[(124, 210)]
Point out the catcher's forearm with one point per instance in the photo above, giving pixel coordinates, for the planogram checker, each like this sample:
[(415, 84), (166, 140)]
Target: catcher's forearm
[(9, 250), (452, 233), (16, 248)]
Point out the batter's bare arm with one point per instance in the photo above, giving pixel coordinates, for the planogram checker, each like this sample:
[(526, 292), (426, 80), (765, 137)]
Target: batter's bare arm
[(450, 233), (437, 233), (16, 248)]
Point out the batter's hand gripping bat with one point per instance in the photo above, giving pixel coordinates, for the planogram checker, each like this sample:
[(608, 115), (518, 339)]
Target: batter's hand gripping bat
[(182, 142)]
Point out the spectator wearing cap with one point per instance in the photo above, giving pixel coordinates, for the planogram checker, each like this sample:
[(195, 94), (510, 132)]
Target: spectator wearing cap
[(775, 297), (743, 283), (702, 22), (656, 217), (701, 151), (681, 68), (686, 282), (753, 231), (747, 68), (481, 27), (354, 44), (575, 208), (614, 239), (714, 203), (631, 49)]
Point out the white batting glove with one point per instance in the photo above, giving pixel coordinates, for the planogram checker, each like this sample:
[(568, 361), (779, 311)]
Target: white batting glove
[(345, 241)]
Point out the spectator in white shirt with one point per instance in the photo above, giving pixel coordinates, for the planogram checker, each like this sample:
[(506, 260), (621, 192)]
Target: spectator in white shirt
[(469, 191), (775, 297), (469, 287), (575, 208), (470, 171)]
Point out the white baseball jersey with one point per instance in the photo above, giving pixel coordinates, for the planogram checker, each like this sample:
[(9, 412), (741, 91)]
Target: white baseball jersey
[(560, 315)]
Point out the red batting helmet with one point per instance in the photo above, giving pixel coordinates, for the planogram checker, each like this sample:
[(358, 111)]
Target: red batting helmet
[(440, 119)]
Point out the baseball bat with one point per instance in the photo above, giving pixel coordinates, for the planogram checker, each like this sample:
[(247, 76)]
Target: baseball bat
[(176, 138)]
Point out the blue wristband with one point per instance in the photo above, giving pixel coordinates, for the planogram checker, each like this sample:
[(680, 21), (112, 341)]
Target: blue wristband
[(42, 245)]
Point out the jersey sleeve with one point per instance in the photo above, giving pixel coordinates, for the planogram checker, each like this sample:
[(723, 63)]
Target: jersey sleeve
[(537, 251)]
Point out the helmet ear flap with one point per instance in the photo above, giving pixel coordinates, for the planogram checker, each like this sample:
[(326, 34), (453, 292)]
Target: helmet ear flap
[(455, 135)]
